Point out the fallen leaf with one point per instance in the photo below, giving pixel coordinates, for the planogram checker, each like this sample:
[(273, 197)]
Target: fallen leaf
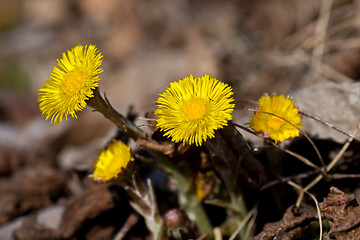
[(343, 212), (294, 221)]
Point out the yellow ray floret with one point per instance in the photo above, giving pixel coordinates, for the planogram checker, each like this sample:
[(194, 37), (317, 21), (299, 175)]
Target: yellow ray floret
[(276, 118), (112, 161), (191, 109), (71, 84)]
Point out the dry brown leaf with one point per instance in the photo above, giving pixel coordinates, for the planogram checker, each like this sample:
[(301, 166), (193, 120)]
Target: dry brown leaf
[(291, 225), (29, 190), (343, 212)]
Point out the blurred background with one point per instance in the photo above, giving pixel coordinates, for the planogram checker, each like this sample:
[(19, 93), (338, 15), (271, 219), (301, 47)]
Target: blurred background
[(256, 46), (260, 46)]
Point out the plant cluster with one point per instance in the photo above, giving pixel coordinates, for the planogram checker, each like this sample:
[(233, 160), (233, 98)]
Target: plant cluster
[(191, 111)]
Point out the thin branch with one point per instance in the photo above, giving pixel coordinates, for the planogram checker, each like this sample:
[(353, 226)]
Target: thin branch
[(298, 156), (285, 179), (301, 158), (315, 148), (342, 176)]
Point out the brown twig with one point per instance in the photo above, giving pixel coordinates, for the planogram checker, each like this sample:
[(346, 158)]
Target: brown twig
[(328, 168), (285, 179), (342, 176)]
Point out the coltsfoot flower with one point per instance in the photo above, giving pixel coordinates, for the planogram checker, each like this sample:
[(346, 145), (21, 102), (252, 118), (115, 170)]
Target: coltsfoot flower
[(71, 84), (112, 161), (191, 109), (276, 118)]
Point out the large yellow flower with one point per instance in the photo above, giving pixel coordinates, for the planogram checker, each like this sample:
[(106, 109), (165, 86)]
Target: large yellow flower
[(276, 118), (71, 84), (112, 161), (191, 109)]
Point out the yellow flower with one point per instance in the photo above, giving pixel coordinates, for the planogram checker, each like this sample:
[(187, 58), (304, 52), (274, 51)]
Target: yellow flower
[(71, 84), (112, 161), (277, 118), (191, 109)]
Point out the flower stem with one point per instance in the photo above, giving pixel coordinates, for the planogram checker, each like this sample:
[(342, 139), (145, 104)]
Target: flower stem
[(98, 103), (222, 166), (221, 162), (186, 195)]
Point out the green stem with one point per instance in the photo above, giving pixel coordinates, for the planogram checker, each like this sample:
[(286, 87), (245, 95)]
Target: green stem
[(221, 165), (195, 211), (221, 157), (186, 195), (98, 103)]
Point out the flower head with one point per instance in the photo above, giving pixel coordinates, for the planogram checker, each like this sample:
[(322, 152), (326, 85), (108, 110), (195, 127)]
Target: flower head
[(277, 118), (71, 84), (191, 109), (112, 161)]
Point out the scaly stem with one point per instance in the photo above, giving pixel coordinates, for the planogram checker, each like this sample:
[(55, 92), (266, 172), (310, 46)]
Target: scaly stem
[(98, 103), (145, 204)]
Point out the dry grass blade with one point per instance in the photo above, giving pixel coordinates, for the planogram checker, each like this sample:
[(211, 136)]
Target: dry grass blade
[(247, 218), (329, 125)]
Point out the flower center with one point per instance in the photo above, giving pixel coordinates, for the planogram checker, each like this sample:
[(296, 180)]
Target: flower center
[(73, 82), (194, 108), (275, 122)]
